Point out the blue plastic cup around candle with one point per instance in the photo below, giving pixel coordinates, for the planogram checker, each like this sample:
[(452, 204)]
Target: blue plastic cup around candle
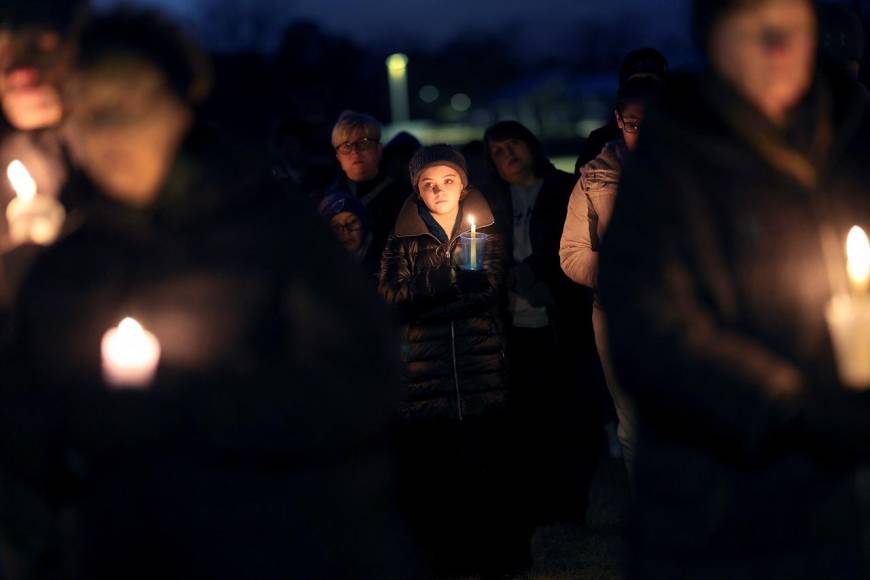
[(472, 250)]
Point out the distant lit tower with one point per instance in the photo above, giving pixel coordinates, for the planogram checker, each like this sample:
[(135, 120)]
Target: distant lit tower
[(397, 70)]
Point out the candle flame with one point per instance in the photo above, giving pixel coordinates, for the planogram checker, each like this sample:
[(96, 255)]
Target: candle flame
[(130, 344), (858, 254), (21, 180), (130, 327)]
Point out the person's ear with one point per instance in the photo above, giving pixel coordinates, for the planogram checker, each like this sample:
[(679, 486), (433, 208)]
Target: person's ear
[(618, 117)]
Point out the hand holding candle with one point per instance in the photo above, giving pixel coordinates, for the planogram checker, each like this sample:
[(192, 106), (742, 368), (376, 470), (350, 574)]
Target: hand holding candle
[(849, 315), (32, 217), (130, 356)]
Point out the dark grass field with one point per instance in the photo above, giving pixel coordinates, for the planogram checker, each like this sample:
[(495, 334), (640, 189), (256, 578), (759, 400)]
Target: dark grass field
[(593, 551)]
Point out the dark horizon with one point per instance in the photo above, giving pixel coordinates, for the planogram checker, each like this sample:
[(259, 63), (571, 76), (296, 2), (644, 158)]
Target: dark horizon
[(543, 30)]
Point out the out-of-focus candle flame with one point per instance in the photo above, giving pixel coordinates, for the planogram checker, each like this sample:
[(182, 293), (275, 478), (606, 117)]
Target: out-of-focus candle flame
[(473, 225), (858, 263), (130, 355), (21, 180)]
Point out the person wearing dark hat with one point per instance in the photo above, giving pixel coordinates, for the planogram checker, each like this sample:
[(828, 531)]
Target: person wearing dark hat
[(456, 436), (641, 63), (725, 248), (350, 223)]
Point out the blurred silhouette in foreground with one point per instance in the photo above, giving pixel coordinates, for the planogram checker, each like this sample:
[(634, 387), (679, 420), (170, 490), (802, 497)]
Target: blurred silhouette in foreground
[(724, 250), (257, 448)]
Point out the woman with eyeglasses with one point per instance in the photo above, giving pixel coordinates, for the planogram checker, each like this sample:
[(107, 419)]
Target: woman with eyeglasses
[(589, 211), (356, 139)]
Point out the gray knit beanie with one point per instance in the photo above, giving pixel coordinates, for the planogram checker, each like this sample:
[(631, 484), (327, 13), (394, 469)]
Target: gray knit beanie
[(437, 155)]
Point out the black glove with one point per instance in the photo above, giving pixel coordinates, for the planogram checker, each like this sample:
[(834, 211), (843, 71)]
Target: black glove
[(433, 282), (472, 281)]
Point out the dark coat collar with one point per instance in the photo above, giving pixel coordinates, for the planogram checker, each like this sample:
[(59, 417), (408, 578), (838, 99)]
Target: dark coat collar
[(409, 222)]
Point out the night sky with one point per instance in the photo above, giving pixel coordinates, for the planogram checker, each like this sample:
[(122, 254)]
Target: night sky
[(542, 27)]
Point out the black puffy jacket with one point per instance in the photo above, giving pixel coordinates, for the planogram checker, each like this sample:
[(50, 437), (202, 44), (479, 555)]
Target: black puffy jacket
[(454, 339)]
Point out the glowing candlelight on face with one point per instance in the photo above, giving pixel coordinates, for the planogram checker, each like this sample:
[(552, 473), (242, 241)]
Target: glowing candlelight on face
[(31, 217), (858, 263), (130, 355)]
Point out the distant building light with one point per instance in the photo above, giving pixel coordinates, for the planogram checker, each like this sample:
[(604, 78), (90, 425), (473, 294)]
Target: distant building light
[(397, 64), (397, 71), (460, 102), (429, 93)]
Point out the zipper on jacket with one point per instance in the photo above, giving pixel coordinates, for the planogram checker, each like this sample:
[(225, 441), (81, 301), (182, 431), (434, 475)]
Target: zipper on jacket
[(455, 369)]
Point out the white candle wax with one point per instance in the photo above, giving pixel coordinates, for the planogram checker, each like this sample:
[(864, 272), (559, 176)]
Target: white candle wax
[(848, 315), (473, 242), (849, 322), (130, 355), (858, 260)]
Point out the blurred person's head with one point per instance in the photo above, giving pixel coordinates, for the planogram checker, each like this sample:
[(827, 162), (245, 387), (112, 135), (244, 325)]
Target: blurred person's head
[(356, 139), (348, 218), (136, 82), (440, 177), (765, 49), (515, 152), (631, 107), (34, 56), (643, 62), (841, 36)]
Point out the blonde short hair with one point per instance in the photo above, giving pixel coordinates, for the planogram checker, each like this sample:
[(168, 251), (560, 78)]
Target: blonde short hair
[(350, 123)]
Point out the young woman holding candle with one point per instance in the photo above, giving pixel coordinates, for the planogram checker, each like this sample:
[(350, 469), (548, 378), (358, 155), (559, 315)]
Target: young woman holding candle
[(455, 439)]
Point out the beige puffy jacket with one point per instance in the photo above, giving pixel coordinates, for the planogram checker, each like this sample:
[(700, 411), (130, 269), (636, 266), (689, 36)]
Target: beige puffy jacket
[(589, 211)]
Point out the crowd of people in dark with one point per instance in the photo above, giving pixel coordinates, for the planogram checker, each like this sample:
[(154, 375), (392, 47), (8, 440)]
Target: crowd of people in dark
[(213, 369)]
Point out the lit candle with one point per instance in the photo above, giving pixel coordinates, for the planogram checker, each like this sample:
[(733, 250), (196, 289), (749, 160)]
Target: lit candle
[(848, 315), (858, 261), (473, 249), (130, 355), (32, 217)]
